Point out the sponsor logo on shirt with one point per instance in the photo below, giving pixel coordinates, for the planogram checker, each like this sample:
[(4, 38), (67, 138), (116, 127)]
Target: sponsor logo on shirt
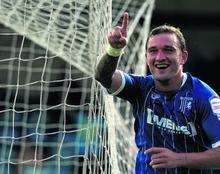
[(168, 125), (215, 104)]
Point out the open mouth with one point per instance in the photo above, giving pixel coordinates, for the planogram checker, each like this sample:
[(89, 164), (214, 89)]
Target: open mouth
[(161, 66)]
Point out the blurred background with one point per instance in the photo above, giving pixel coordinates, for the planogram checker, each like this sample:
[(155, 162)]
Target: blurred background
[(199, 21)]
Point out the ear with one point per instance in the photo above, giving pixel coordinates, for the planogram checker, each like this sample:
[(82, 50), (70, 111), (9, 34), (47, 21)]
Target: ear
[(184, 57), (146, 57)]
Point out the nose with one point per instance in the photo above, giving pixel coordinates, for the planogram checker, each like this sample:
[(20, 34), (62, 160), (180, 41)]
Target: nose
[(160, 56)]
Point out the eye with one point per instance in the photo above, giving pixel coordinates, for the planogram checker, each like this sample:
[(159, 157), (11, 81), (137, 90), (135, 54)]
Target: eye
[(152, 50), (169, 49)]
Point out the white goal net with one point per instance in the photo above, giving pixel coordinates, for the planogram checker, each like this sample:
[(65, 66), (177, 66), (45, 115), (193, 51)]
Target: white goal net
[(54, 117)]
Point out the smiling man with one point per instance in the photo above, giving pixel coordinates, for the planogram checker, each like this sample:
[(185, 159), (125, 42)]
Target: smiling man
[(166, 57), (177, 116)]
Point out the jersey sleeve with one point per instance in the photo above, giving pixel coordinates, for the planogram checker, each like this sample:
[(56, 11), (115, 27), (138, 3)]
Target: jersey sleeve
[(209, 108), (131, 87)]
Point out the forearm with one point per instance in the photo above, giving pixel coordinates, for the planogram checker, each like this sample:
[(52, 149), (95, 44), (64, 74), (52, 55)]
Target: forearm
[(105, 70), (206, 159)]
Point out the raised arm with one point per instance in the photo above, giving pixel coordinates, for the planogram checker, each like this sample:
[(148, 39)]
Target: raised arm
[(106, 72)]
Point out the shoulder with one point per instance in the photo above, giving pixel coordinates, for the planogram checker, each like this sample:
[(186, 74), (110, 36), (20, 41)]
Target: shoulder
[(206, 98), (133, 86), (201, 89), (139, 80)]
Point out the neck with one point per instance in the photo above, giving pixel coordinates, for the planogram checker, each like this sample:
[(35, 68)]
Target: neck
[(172, 84)]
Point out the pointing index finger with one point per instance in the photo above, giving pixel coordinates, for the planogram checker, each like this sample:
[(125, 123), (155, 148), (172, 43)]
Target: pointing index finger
[(124, 27)]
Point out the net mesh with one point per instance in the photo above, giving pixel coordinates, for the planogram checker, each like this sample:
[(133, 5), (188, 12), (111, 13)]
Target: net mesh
[(54, 117)]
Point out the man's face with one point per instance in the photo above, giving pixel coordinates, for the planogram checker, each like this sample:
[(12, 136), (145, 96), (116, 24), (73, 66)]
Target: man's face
[(164, 56)]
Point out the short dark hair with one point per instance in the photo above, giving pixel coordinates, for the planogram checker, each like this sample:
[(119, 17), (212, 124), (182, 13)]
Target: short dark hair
[(169, 29)]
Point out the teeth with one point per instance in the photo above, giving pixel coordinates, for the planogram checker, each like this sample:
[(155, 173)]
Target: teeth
[(161, 66)]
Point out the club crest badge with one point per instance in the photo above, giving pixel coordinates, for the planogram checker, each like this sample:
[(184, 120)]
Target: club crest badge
[(185, 104)]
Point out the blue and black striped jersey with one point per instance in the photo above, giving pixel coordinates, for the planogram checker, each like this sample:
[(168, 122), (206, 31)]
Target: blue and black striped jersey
[(186, 120)]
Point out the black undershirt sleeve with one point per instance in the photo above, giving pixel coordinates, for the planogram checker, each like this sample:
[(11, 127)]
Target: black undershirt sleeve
[(105, 69)]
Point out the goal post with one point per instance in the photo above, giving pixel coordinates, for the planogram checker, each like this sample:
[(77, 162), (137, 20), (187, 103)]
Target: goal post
[(54, 117)]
